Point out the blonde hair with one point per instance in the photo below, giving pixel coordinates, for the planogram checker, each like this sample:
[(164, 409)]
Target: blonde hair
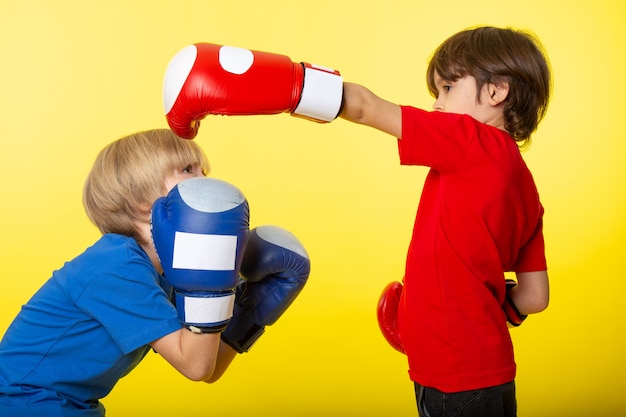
[(129, 174)]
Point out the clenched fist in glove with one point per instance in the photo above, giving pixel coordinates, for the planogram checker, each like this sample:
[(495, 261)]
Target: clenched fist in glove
[(387, 314), (274, 269), (205, 78), (200, 230)]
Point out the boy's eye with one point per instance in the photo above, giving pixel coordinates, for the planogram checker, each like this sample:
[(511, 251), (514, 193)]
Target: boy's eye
[(188, 169)]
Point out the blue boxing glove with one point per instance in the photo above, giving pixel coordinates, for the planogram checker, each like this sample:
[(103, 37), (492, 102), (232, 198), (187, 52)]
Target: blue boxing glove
[(274, 269), (200, 230)]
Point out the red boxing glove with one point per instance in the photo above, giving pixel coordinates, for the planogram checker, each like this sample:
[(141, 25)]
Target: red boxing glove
[(204, 79), (513, 316), (388, 314)]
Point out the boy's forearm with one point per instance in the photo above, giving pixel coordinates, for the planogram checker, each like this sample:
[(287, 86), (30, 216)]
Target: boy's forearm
[(353, 103), (531, 294), (225, 356), (362, 106)]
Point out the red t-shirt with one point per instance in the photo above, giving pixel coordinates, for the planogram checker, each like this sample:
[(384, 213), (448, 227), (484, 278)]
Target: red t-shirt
[(479, 216)]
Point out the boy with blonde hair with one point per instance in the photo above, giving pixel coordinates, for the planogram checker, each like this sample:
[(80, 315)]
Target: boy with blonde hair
[(97, 317)]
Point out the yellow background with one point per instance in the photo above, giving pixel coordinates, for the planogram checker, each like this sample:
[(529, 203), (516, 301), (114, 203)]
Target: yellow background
[(78, 74)]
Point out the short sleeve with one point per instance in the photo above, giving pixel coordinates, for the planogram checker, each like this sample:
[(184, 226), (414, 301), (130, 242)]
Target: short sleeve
[(129, 302), (532, 255), (435, 139)]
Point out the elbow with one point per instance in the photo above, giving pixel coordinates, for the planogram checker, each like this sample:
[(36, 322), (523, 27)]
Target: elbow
[(532, 294), (199, 373), (542, 304), (542, 299), (536, 305)]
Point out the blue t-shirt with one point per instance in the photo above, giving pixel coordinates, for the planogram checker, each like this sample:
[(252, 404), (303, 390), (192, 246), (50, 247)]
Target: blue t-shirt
[(88, 325)]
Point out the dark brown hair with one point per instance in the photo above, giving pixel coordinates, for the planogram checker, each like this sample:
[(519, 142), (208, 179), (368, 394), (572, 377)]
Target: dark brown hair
[(496, 55)]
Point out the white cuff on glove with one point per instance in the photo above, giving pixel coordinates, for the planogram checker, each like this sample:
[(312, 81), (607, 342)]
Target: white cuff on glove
[(322, 94)]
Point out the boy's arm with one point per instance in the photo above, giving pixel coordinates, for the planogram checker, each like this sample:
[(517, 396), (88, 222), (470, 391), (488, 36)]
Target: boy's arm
[(193, 354), (225, 356), (532, 292), (362, 106), (205, 79), (199, 230)]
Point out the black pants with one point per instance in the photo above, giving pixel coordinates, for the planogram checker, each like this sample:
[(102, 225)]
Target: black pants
[(498, 401)]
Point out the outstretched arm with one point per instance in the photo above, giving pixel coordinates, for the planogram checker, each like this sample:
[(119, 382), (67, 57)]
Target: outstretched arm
[(205, 78), (362, 106)]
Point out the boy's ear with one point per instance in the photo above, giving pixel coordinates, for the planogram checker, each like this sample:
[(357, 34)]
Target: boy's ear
[(498, 92)]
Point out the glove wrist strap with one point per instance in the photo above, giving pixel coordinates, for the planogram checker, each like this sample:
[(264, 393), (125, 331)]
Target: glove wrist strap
[(322, 94), (242, 331), (205, 311)]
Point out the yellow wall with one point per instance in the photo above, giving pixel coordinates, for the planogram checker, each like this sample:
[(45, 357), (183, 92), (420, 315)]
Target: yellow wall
[(79, 74)]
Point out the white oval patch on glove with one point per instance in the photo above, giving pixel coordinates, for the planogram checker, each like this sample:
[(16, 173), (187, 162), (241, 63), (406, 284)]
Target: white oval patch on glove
[(176, 74), (236, 60)]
